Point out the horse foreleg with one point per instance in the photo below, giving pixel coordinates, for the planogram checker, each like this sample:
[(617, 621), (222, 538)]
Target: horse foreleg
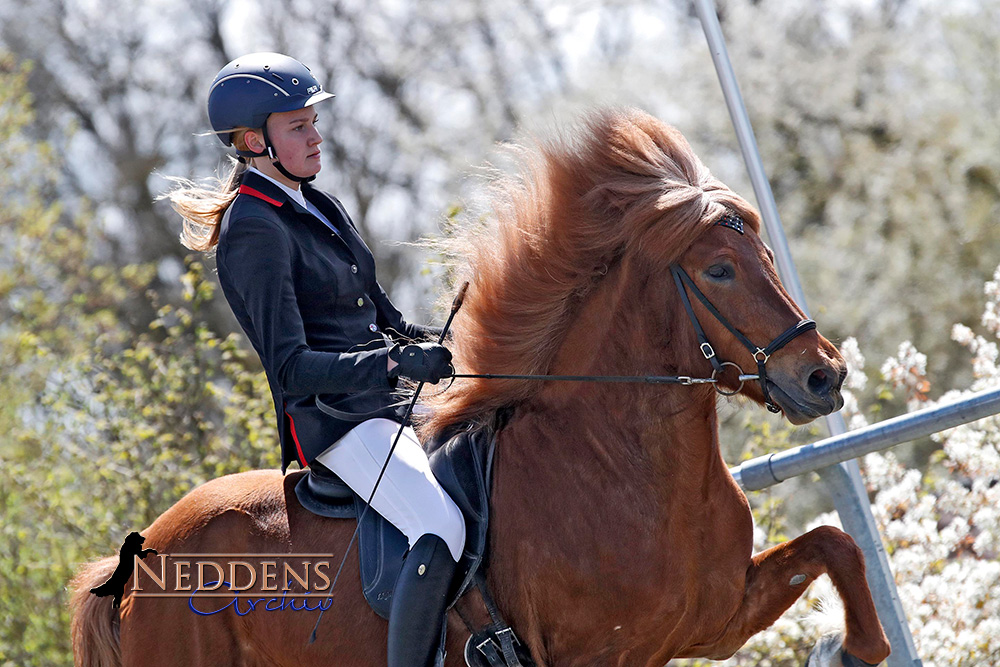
[(778, 576)]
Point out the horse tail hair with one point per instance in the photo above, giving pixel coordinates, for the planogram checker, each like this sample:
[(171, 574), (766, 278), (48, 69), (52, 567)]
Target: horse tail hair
[(95, 626)]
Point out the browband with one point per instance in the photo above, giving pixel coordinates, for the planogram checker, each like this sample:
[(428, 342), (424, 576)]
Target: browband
[(732, 221)]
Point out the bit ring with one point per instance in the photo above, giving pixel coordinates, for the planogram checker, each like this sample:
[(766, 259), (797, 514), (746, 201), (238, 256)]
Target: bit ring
[(721, 391)]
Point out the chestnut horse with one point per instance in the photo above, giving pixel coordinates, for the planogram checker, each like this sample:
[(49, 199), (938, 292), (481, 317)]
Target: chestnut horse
[(618, 536)]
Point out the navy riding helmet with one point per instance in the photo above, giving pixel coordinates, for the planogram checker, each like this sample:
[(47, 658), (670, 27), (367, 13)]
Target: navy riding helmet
[(252, 87)]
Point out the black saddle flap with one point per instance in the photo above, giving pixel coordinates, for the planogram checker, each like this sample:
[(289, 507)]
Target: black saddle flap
[(463, 466), (381, 545)]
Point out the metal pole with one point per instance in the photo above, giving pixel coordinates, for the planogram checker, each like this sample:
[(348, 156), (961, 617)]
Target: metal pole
[(843, 480), (764, 471)]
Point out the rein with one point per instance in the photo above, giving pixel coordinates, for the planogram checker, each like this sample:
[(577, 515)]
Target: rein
[(683, 281), (683, 380), (760, 354)]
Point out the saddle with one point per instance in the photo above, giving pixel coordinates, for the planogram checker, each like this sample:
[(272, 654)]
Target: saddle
[(461, 460)]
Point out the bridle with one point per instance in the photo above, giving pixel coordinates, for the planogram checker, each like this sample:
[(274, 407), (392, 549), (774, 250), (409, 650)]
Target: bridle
[(683, 282), (760, 354)]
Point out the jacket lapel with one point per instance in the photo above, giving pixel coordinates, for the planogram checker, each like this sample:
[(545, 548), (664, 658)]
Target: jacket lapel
[(257, 186), (335, 213)]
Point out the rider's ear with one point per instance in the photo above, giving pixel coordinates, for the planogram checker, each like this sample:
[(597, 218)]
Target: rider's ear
[(254, 141)]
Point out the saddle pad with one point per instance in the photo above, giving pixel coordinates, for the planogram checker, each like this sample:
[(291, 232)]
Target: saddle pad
[(381, 546)]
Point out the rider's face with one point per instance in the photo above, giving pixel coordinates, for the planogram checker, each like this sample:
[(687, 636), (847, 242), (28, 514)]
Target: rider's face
[(295, 139)]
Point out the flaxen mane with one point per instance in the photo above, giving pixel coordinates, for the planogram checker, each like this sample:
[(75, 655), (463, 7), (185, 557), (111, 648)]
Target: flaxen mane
[(626, 184)]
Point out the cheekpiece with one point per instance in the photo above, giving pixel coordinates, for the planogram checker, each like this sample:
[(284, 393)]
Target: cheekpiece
[(732, 221)]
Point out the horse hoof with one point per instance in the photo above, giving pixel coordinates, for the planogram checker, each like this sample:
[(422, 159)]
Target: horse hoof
[(849, 660), (829, 652)]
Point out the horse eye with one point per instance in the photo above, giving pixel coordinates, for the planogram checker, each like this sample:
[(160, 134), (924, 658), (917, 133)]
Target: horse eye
[(719, 272)]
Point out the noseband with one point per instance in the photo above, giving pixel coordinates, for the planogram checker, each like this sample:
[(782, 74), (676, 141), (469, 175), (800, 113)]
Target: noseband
[(760, 354)]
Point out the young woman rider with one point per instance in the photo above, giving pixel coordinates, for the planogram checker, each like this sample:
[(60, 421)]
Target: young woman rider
[(302, 284)]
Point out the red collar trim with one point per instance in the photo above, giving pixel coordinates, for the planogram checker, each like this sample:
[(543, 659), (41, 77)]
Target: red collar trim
[(253, 192)]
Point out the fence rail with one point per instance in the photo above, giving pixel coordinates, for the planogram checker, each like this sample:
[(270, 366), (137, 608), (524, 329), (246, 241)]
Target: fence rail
[(764, 471)]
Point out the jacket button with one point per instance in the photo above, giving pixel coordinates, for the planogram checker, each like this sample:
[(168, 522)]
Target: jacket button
[(354, 268), (361, 302), (372, 327)]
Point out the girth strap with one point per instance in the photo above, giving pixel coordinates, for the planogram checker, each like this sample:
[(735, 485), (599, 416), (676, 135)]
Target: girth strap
[(489, 651), (500, 629)]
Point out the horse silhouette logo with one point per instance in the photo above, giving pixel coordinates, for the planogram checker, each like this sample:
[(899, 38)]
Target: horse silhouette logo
[(115, 585)]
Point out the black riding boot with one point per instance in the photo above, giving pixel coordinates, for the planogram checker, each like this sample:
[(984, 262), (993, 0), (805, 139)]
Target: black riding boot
[(418, 603)]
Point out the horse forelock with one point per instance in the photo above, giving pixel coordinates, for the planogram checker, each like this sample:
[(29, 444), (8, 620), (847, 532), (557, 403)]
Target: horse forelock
[(620, 183)]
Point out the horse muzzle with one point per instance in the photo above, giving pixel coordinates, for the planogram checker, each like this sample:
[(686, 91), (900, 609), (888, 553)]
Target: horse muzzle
[(813, 393)]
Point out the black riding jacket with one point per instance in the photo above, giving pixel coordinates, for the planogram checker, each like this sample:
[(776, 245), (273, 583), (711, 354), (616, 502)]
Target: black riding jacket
[(309, 302)]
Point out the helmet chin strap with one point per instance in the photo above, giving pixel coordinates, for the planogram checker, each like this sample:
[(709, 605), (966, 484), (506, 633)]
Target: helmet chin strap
[(269, 152), (280, 167)]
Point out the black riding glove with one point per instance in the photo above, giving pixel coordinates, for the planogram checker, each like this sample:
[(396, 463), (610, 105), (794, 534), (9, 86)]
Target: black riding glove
[(423, 362)]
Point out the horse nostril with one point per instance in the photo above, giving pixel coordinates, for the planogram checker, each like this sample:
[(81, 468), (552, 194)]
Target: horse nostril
[(820, 381)]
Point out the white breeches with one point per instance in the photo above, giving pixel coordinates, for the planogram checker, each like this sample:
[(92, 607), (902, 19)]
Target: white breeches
[(408, 496)]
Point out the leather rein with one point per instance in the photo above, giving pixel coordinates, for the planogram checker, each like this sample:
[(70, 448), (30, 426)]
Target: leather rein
[(760, 354)]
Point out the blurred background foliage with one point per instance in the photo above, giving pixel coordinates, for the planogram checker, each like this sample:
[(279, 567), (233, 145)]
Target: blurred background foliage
[(123, 379), (105, 421)]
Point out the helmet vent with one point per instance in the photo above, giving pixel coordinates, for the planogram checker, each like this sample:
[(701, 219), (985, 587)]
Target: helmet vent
[(295, 82)]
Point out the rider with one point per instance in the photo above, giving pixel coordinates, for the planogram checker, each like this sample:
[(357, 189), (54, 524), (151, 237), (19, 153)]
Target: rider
[(301, 283)]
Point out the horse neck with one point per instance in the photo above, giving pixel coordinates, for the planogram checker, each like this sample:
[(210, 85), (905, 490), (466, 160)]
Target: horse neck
[(627, 326)]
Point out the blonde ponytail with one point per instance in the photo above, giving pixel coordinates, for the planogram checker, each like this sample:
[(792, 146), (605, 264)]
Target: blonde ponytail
[(202, 206)]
